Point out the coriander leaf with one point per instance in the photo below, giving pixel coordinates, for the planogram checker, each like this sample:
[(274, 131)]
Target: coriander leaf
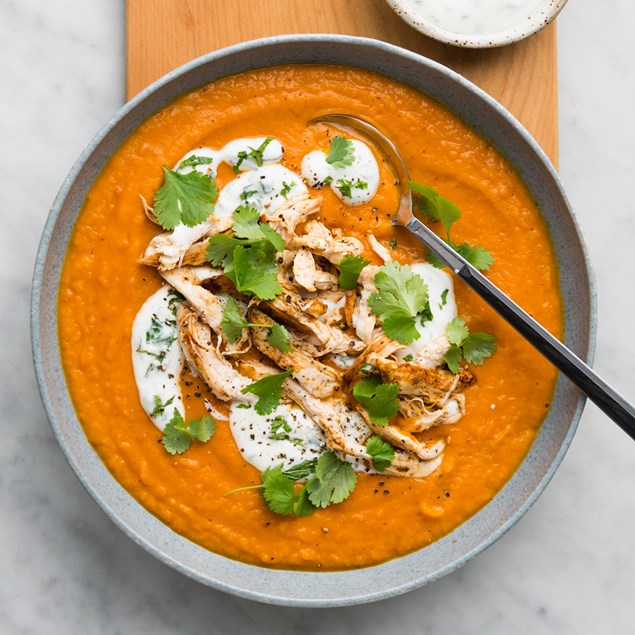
[(220, 249), (473, 347), (246, 226), (256, 271), (457, 331), (379, 400), (278, 337), (202, 429), (301, 470), (350, 267), (334, 481), (408, 358), (382, 452), (342, 152), (392, 243), (344, 187), (401, 296), (245, 223), (233, 322), (194, 160), (444, 298), (431, 204), (477, 347), (477, 256), (184, 198), (278, 491), (269, 391), (302, 505), (177, 437), (452, 358)]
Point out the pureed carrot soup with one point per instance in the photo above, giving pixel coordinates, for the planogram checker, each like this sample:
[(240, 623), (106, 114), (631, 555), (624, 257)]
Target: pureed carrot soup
[(268, 365)]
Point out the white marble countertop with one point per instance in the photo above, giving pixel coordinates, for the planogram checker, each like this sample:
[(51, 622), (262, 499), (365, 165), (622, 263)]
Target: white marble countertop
[(569, 564)]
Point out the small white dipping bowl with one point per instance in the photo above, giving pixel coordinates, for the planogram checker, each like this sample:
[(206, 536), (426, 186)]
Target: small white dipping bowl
[(478, 23)]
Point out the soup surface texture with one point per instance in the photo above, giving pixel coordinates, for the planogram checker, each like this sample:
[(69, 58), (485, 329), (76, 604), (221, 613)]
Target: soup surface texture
[(103, 287)]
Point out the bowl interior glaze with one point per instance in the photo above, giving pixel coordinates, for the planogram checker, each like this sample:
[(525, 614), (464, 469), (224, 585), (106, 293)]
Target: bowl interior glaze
[(296, 588)]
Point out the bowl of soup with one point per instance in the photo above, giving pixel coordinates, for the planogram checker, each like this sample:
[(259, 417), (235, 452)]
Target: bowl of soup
[(260, 379)]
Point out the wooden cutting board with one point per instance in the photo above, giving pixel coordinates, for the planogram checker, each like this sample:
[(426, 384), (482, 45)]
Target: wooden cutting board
[(163, 34)]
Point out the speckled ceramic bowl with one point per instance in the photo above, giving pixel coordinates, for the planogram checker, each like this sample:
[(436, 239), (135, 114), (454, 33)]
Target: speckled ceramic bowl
[(486, 26), (298, 588)]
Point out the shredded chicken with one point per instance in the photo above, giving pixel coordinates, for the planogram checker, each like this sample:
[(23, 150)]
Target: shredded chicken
[(334, 337)]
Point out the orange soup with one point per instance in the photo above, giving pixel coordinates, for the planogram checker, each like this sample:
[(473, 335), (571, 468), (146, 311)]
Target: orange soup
[(104, 285)]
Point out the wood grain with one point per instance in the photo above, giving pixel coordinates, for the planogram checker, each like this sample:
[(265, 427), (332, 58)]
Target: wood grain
[(162, 34)]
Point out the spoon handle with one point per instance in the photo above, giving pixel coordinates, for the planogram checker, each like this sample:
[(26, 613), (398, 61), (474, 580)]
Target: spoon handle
[(596, 389)]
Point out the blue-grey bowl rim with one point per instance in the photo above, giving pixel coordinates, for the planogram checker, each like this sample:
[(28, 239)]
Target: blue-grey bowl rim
[(46, 397)]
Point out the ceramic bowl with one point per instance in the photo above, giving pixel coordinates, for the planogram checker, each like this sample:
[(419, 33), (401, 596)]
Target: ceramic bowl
[(297, 588), (473, 24)]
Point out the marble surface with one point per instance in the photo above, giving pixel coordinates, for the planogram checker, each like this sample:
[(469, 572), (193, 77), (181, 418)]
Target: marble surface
[(567, 567)]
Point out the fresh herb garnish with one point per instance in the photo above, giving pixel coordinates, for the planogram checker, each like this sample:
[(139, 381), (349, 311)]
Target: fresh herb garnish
[(194, 161), (278, 337), (444, 298), (254, 153), (408, 358), (474, 348), (286, 188), (184, 198), (341, 153), (378, 399), (392, 243), (233, 324), (279, 428), (245, 194), (268, 390), (159, 406), (382, 452), (249, 257), (346, 187), (435, 207), (350, 267), (401, 296), (334, 481), (177, 437)]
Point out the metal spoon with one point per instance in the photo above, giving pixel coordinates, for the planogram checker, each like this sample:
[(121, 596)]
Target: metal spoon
[(595, 388)]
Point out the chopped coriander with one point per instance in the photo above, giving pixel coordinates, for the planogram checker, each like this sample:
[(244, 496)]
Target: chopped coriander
[(268, 390), (278, 491), (346, 187), (278, 337), (286, 188), (350, 267), (184, 198), (301, 470), (334, 481), (437, 208), (177, 437), (194, 161), (279, 428), (408, 358), (246, 406), (401, 296), (392, 243), (444, 298), (473, 347), (159, 406), (382, 452), (246, 194), (341, 153), (254, 153), (378, 399), (328, 180)]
